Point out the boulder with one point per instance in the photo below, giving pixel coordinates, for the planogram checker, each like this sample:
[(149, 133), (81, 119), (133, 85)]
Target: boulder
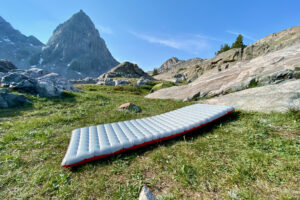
[(37, 81), (46, 89), (280, 97), (58, 81), (129, 107), (121, 82), (8, 99), (112, 82), (6, 66), (106, 81), (35, 72), (142, 81), (19, 82)]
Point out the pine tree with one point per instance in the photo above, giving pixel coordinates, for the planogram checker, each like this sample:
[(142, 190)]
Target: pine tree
[(223, 48), (155, 72), (238, 42)]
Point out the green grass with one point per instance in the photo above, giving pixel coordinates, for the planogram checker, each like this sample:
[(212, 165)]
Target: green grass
[(162, 85), (244, 156)]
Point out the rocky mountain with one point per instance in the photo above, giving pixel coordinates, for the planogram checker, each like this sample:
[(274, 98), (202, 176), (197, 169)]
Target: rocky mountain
[(126, 70), (273, 60), (16, 47), (76, 50), (168, 64), (6, 66), (192, 70)]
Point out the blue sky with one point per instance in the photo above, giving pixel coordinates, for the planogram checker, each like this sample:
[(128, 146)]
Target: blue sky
[(149, 32)]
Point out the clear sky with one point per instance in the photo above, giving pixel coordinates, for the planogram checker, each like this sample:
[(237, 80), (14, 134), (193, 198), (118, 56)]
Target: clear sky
[(148, 32)]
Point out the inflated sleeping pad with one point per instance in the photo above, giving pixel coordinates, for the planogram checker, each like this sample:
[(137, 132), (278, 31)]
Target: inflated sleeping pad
[(95, 142)]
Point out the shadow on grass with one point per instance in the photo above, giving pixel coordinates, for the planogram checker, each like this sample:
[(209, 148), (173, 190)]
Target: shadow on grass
[(131, 154), (15, 111), (65, 98)]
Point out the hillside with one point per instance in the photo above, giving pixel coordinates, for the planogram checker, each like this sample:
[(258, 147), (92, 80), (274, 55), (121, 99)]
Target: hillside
[(273, 60), (273, 42)]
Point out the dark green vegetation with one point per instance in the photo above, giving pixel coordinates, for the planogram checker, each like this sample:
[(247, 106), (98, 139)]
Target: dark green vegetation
[(245, 155), (237, 44), (155, 72)]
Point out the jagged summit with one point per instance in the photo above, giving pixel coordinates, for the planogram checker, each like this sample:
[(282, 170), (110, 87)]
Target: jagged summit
[(76, 50), (167, 65), (15, 46)]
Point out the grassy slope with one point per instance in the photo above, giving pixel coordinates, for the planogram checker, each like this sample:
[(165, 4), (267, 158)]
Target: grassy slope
[(246, 155)]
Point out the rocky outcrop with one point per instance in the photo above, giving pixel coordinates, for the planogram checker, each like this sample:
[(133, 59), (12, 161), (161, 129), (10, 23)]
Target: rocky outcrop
[(6, 66), (8, 99), (168, 65), (76, 50), (16, 47), (272, 42), (87, 80), (272, 68), (280, 97), (183, 68), (192, 70), (112, 82), (36, 81), (126, 70)]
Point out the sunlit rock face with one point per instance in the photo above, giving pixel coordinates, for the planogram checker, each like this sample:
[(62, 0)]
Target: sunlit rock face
[(76, 50)]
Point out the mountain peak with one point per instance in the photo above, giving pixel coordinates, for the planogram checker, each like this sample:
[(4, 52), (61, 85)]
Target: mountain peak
[(80, 14), (76, 50), (16, 47), (168, 64)]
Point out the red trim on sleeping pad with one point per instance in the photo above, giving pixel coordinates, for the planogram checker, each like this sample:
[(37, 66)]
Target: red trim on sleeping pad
[(143, 144)]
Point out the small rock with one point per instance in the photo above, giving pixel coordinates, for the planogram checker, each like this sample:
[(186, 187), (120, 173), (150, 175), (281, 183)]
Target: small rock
[(146, 194), (129, 107)]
